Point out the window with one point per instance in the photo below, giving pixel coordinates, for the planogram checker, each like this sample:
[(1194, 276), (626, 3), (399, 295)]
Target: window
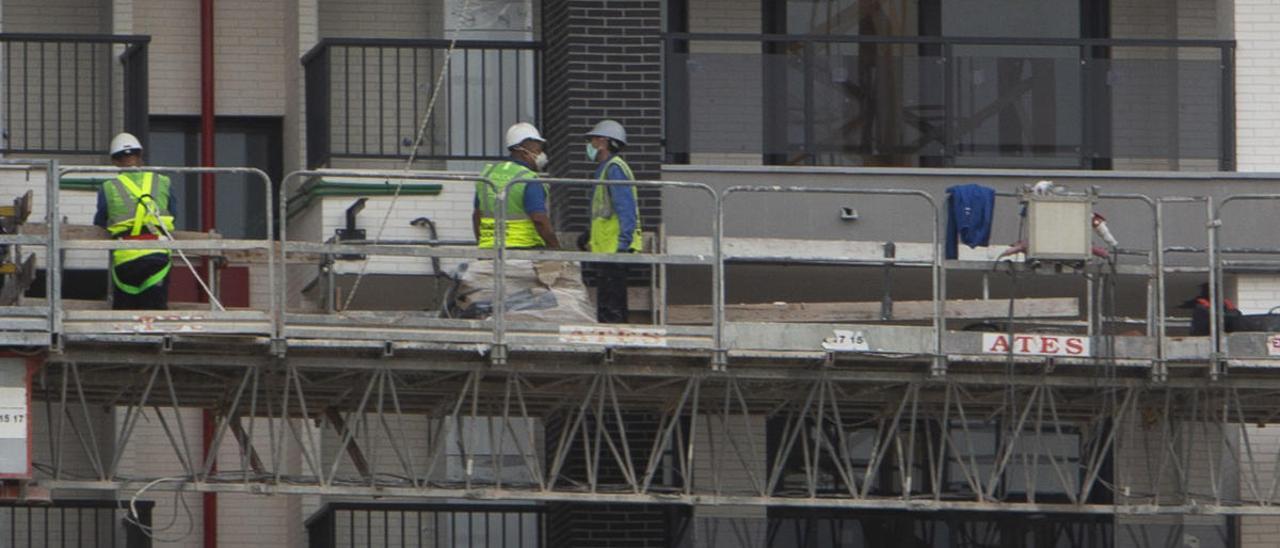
[(239, 142)]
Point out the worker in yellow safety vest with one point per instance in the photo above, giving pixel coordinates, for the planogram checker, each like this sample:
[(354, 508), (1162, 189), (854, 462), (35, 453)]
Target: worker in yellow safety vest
[(615, 218), (528, 225), (135, 206)]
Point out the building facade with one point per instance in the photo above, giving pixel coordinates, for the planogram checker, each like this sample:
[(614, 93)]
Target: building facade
[(1152, 97)]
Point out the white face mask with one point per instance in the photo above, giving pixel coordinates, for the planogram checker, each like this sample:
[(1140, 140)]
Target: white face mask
[(539, 161), (592, 152)]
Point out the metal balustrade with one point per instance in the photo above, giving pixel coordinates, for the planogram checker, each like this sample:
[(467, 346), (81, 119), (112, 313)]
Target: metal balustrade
[(361, 92), (63, 93), (278, 323)]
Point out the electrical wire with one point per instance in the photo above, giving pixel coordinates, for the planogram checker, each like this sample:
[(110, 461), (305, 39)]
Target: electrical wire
[(178, 501), (413, 155)]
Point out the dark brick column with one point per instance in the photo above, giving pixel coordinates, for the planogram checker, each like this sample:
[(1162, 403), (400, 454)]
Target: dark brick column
[(602, 60), (595, 525)]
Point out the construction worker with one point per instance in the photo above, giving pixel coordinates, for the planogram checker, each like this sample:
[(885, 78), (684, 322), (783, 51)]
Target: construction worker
[(615, 219), (135, 206), (528, 225)]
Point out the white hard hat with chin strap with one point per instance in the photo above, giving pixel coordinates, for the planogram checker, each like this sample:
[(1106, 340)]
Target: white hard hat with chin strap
[(520, 133), (125, 142)]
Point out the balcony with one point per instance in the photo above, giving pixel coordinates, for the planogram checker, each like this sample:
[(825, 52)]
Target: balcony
[(70, 93), (367, 98), (951, 102)]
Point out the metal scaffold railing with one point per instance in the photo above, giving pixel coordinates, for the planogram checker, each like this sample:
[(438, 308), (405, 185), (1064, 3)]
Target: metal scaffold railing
[(725, 410)]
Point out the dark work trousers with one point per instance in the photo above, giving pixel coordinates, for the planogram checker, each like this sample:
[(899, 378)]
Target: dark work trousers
[(134, 273), (611, 292)]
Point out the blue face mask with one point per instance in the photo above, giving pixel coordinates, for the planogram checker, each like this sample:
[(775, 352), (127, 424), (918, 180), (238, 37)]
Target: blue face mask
[(591, 152)]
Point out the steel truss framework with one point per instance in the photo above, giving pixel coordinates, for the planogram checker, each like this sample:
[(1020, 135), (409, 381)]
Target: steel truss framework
[(750, 436)]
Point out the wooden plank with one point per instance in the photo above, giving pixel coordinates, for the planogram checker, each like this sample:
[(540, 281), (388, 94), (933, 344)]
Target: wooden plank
[(91, 232), (842, 312), (819, 250)]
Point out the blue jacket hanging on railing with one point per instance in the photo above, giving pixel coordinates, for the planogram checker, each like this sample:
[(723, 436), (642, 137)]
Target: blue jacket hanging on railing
[(969, 212)]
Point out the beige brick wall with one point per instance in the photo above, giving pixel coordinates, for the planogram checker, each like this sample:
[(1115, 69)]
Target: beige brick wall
[(149, 454), (57, 16), (249, 69), (298, 39), (174, 26), (381, 19), (1257, 294), (250, 60), (244, 520), (1257, 24)]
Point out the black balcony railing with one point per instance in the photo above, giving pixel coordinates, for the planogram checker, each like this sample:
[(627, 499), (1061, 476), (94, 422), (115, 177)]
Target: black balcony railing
[(951, 102), (419, 524), (70, 93), (76, 522), (366, 98)]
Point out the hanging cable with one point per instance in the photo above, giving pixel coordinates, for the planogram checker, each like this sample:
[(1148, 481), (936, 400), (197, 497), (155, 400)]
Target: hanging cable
[(178, 501), (413, 155), (168, 237)]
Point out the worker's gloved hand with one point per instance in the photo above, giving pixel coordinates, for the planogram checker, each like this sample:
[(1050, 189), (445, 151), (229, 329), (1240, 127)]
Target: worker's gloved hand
[(583, 240)]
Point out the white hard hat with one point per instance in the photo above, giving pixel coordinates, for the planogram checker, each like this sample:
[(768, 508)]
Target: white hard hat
[(522, 132), (609, 129), (125, 142)]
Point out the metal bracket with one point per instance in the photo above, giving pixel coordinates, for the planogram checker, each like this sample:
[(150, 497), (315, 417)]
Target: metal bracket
[(350, 232), (609, 356), (498, 354), (719, 360), (1159, 372), (938, 369), (279, 347), (388, 349), (166, 343)]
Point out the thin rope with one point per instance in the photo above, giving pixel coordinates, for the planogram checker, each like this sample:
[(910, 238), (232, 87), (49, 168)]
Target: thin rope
[(151, 207), (413, 155)]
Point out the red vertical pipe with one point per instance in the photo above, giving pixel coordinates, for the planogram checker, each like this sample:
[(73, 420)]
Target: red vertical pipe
[(208, 205), (208, 221)]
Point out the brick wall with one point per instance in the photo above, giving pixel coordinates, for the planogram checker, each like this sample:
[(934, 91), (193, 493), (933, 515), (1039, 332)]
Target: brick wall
[(605, 55), (579, 525), (576, 525), (249, 67), (57, 16), (1257, 23), (174, 27), (1255, 294), (249, 70), (244, 520), (299, 39), (380, 19)]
